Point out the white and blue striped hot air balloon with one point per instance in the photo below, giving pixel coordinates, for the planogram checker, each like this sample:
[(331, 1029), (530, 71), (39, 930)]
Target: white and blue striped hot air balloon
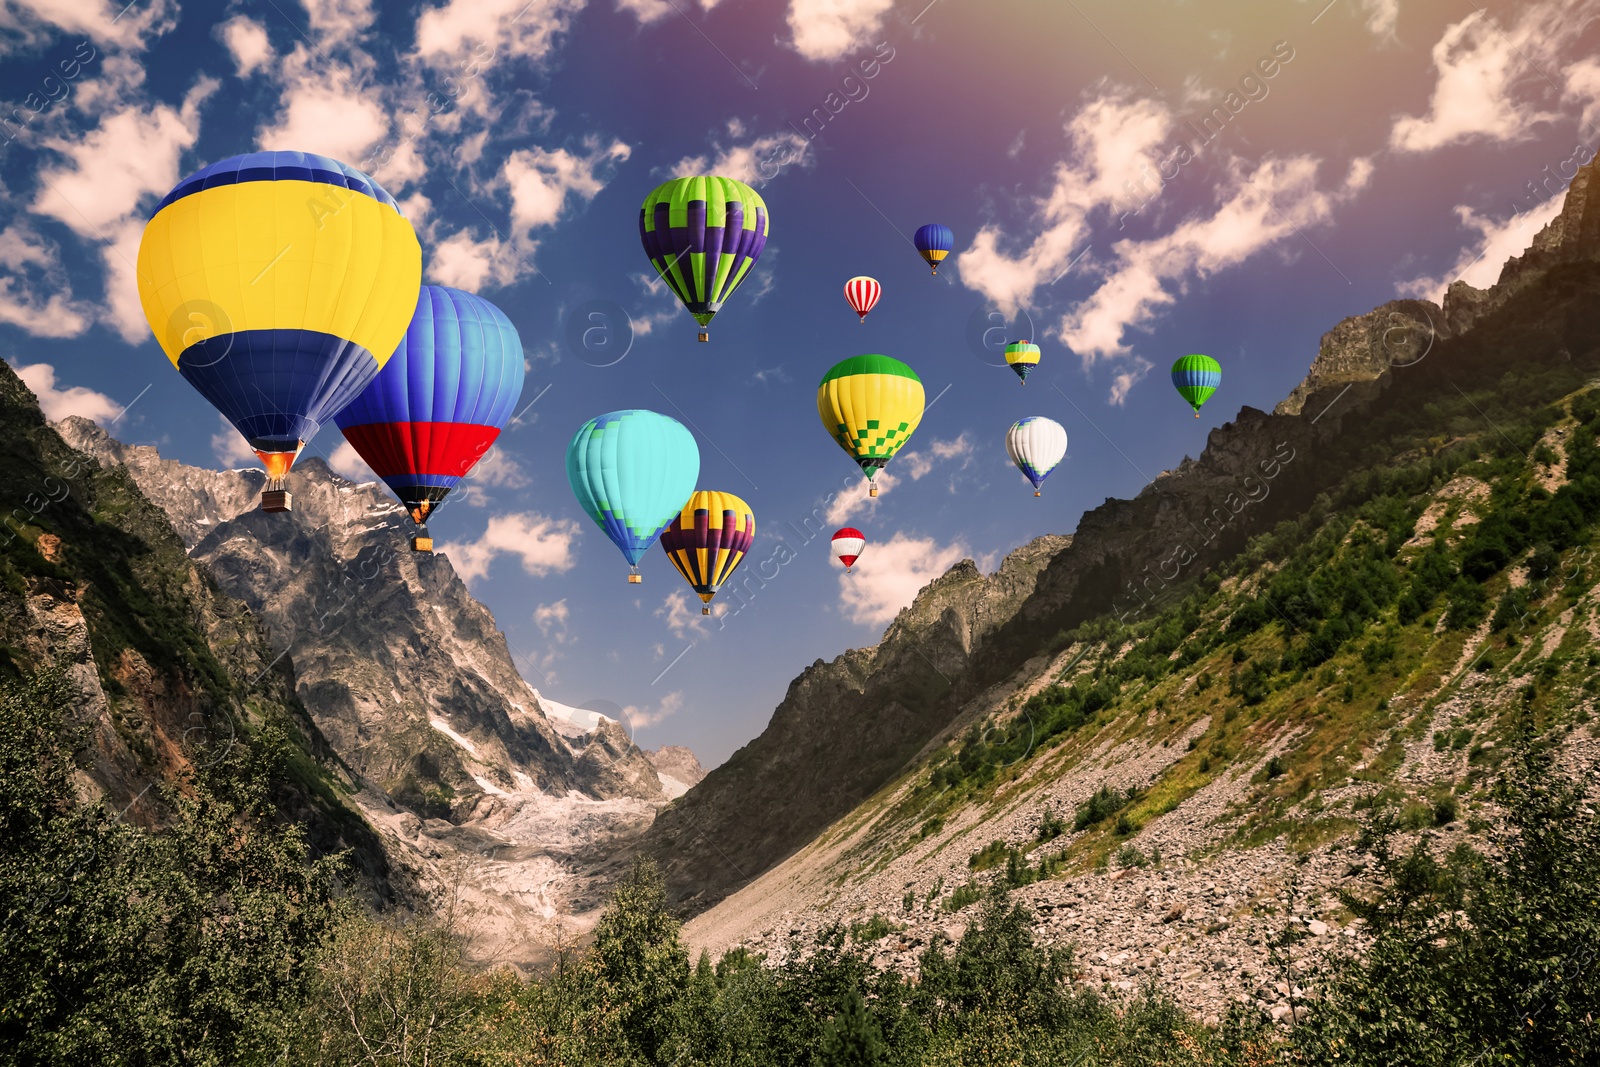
[(1036, 445)]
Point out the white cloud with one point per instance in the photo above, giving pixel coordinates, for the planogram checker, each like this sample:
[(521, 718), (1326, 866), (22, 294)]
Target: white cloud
[(649, 11), (464, 262), (1124, 381), (889, 576), (754, 162), (1113, 140), (231, 449), (1480, 262), (131, 155), (1479, 63), (554, 617), (1383, 17), (323, 109), (338, 20), (640, 718), (1280, 199), (826, 30), (103, 21), (1583, 86), (35, 295), (542, 544), (123, 312), (848, 505), (346, 462), (248, 44), (58, 403), (919, 463), (461, 29), (541, 180), (684, 617)]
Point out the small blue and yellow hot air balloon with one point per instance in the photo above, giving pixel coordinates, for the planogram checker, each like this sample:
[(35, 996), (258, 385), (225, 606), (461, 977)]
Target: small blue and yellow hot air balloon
[(934, 241), (632, 471), (278, 283)]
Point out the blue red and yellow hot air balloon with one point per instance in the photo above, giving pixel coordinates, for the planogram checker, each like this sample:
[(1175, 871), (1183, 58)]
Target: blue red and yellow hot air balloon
[(440, 402), (934, 241), (632, 471), (278, 283), (703, 235), (1196, 378), (708, 539)]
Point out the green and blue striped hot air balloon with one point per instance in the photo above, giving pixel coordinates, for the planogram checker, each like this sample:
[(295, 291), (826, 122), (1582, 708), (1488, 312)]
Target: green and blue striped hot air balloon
[(1196, 378), (703, 235), (632, 471)]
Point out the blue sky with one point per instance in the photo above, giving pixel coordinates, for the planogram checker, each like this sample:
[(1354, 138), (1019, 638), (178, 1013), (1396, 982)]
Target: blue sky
[(1367, 151)]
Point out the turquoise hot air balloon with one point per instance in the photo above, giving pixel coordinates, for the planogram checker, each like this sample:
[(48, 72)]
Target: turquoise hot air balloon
[(1196, 378), (632, 471)]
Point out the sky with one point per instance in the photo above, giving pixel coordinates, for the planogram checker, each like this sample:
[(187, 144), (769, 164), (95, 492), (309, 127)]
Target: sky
[(1356, 152)]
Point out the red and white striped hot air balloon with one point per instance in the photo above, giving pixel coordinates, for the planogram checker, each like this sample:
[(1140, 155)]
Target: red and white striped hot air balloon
[(847, 546), (863, 293)]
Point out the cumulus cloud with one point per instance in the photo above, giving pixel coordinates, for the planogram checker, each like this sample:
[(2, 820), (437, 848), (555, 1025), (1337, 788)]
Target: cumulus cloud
[(116, 22), (683, 616), (346, 462), (848, 505), (333, 21), (639, 718), (754, 162), (552, 619), (459, 29), (57, 403), (889, 577), (324, 108), (649, 11), (231, 449), (826, 30), (34, 292), (541, 543), (1479, 64), (246, 40), (1479, 263)]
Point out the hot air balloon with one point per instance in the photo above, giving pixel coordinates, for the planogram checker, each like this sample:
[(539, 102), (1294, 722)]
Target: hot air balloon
[(1022, 357), (934, 242), (439, 403), (702, 236), (1036, 444), (707, 539), (1196, 378), (870, 405), (862, 293), (632, 471), (847, 546), (278, 283)]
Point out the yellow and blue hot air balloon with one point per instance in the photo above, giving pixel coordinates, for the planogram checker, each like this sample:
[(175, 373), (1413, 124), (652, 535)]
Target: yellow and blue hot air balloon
[(632, 471), (278, 283), (934, 242), (870, 405), (703, 234), (707, 539)]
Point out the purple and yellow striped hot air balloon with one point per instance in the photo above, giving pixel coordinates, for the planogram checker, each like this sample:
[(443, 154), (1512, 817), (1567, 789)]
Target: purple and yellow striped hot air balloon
[(708, 539), (440, 402)]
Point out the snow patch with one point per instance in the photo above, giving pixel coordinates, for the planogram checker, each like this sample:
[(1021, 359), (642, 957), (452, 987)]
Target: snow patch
[(444, 728), (671, 786)]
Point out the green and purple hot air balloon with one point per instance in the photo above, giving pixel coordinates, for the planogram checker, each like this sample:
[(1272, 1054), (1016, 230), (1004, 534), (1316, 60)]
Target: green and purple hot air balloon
[(703, 235), (1196, 378)]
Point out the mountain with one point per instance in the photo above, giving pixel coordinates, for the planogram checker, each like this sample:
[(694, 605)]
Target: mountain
[(168, 673), (1222, 646), (470, 783)]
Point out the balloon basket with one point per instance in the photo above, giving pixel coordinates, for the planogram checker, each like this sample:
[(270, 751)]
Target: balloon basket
[(704, 336), (872, 490), (635, 579), (863, 320), (706, 610), (422, 544), (277, 500), (1037, 493)]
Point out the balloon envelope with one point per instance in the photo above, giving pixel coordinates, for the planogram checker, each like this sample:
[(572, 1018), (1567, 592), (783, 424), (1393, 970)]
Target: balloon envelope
[(847, 545), (1196, 378), (703, 235), (862, 293), (934, 241), (278, 284), (1036, 445), (442, 399), (632, 471), (1022, 357), (870, 405), (708, 538)]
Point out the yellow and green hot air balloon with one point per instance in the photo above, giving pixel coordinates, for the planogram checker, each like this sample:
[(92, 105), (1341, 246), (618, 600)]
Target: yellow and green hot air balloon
[(703, 235), (1022, 357), (1196, 378), (871, 405), (278, 283)]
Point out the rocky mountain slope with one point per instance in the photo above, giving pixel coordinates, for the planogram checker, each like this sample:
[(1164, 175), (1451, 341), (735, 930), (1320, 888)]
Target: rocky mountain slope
[(1133, 619), (405, 673), (170, 674)]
